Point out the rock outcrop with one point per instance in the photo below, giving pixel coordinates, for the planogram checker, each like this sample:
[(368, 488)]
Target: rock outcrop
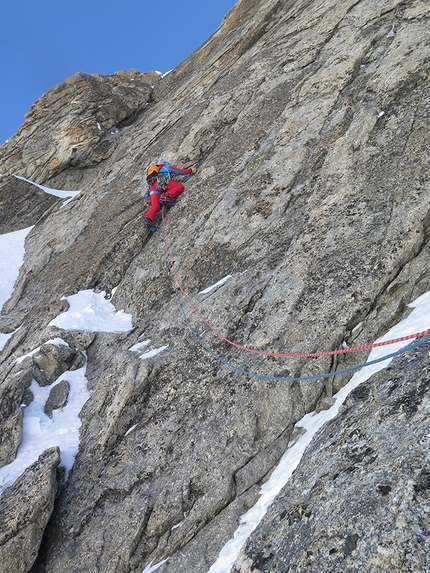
[(57, 397), (311, 124), (52, 360), (85, 116), (12, 398), (21, 204), (45, 366), (25, 509), (360, 497)]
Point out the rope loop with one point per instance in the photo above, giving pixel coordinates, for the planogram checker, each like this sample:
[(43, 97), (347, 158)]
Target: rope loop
[(423, 336)]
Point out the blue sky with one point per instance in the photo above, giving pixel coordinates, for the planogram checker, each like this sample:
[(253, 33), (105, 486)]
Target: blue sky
[(43, 42)]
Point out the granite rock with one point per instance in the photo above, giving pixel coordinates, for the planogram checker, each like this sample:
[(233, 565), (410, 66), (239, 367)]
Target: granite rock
[(57, 397), (25, 508), (310, 122), (360, 498)]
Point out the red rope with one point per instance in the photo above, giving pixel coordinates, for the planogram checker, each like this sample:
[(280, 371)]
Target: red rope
[(281, 354)]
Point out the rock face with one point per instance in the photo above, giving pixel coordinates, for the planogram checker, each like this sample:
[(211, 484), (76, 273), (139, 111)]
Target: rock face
[(57, 397), (22, 524), (12, 397), (21, 204), (311, 124), (360, 497), (86, 113)]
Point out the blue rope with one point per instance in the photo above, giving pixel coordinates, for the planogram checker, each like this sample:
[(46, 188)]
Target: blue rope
[(420, 342)]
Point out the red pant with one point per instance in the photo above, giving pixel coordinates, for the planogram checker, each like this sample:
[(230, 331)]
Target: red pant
[(173, 190)]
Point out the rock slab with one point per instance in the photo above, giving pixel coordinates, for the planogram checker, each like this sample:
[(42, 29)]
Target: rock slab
[(361, 495), (25, 509)]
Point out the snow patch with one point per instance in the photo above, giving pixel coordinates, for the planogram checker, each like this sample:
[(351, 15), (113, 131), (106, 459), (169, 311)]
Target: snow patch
[(153, 352), (392, 32), (150, 568), (41, 432), (130, 430), (137, 347), (22, 358), (354, 330), (91, 312), (219, 283), (11, 258), (57, 192), (57, 342), (141, 345), (5, 337)]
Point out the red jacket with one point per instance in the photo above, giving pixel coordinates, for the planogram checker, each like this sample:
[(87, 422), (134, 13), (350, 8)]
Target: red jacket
[(165, 172), (163, 184)]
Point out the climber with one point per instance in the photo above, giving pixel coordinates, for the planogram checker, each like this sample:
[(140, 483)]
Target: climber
[(162, 190)]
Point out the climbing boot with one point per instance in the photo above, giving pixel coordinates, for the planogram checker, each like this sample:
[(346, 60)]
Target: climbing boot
[(167, 201), (149, 225)]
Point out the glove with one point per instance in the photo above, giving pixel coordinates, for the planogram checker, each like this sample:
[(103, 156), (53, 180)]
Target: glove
[(193, 170)]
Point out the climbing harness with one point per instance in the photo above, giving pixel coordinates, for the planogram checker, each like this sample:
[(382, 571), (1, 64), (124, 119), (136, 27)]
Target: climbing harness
[(163, 183), (424, 338)]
